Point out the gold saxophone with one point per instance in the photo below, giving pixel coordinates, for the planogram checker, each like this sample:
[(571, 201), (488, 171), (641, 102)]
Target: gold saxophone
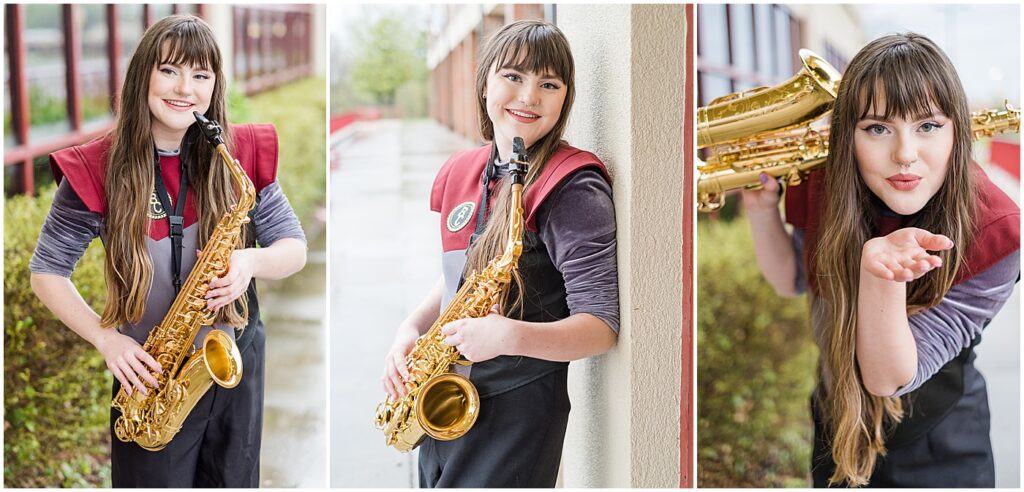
[(439, 402), (153, 420), (776, 131)]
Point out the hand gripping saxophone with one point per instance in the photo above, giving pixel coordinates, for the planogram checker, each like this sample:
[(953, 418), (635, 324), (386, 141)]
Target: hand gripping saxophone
[(153, 420), (438, 402), (769, 130)]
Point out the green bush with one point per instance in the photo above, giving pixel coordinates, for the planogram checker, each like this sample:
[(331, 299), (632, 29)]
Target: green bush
[(299, 111), (56, 387), (756, 369), (45, 109)]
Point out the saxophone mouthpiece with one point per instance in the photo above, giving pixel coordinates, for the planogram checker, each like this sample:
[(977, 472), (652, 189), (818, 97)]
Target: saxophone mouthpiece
[(211, 130), (519, 163)]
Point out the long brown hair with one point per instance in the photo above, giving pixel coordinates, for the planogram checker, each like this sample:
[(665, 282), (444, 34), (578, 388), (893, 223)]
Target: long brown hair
[(130, 174), (526, 46), (908, 74)]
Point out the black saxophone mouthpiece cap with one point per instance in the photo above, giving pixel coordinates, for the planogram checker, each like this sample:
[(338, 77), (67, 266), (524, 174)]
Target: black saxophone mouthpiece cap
[(518, 163), (519, 148), (211, 130)]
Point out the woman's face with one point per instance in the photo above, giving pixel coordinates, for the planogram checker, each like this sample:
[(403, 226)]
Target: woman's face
[(904, 162), (175, 91), (522, 104)]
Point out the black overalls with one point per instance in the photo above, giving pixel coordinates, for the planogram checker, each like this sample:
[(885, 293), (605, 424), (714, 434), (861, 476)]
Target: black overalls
[(524, 408), (943, 440)]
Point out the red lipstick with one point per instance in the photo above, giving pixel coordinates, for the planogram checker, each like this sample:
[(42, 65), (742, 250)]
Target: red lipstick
[(181, 106), (904, 182), (530, 118)]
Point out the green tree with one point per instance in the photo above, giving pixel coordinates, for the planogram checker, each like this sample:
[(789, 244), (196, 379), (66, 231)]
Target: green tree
[(387, 59)]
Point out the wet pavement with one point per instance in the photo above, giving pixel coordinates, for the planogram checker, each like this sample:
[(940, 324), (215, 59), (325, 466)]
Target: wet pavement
[(385, 256), (294, 452)]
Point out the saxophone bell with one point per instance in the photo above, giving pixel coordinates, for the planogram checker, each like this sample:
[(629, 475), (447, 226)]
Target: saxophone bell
[(222, 359), (448, 406), (769, 130)]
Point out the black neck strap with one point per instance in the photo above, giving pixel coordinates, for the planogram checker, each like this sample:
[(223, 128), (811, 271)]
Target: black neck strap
[(485, 195), (175, 217)]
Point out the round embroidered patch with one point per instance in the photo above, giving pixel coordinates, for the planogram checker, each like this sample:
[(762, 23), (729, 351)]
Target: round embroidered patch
[(460, 216), (156, 210)]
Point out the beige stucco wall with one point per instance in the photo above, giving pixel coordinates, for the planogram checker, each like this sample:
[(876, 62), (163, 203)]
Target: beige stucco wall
[(624, 427)]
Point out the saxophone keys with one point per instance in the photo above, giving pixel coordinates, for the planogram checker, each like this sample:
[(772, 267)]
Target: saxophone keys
[(794, 177)]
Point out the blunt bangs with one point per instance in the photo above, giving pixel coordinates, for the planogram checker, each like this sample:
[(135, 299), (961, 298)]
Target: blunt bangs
[(536, 50), (905, 82), (190, 45)]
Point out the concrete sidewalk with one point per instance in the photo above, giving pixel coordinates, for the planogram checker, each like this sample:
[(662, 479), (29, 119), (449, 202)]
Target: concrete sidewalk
[(385, 256)]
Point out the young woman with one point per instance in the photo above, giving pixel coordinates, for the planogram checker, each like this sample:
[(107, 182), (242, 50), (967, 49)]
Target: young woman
[(568, 304), (908, 250), (109, 188)]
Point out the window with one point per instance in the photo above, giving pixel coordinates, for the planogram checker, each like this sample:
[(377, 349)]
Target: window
[(740, 47)]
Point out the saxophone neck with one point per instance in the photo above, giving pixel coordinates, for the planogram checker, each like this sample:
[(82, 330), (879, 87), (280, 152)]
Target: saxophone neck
[(518, 167), (246, 190), (514, 245), (215, 136)]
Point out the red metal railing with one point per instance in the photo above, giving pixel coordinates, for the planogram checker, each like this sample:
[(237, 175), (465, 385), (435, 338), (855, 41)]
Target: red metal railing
[(1006, 155), (274, 43), (25, 150)]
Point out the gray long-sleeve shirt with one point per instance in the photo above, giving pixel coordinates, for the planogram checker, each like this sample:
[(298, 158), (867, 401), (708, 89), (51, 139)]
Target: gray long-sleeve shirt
[(70, 227)]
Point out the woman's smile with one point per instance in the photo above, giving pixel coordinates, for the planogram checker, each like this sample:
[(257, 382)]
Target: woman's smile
[(523, 116), (178, 105)]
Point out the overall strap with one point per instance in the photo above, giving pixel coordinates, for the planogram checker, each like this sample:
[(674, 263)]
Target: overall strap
[(175, 217)]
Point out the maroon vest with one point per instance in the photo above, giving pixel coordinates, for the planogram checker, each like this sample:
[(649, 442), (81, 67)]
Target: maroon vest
[(456, 194), (84, 166), (458, 183)]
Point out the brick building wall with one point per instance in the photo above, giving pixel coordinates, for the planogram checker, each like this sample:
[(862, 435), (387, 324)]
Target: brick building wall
[(460, 32)]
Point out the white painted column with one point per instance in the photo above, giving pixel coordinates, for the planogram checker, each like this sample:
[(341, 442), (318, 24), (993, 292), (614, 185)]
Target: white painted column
[(629, 110), (319, 38), (220, 20)]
